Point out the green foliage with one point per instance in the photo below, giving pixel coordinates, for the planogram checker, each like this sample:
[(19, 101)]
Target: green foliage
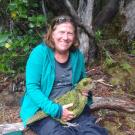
[(118, 64), (18, 9), (122, 73), (132, 47), (22, 29), (126, 66), (14, 53), (36, 21), (3, 38), (98, 35), (108, 59)]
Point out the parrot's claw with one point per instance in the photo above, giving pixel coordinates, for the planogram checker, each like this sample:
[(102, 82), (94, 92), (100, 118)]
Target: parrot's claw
[(68, 124)]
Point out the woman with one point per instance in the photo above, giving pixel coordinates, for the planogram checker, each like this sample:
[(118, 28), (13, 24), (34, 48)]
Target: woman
[(53, 68)]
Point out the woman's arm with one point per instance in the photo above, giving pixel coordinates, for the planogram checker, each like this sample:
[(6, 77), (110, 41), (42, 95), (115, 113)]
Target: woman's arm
[(33, 84)]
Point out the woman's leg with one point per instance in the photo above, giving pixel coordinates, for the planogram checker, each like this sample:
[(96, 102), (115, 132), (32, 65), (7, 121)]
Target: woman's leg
[(87, 126), (50, 126)]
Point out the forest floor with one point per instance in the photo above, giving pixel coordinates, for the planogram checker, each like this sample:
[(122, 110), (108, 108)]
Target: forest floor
[(11, 90)]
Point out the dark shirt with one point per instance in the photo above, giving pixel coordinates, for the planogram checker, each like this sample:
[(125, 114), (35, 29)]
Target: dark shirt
[(63, 80)]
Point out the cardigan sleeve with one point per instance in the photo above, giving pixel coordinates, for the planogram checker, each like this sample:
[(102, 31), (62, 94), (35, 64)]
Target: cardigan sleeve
[(33, 84), (83, 70), (83, 75)]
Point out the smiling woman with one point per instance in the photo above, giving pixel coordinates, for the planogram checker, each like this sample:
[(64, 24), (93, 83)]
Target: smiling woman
[(63, 36), (55, 23), (54, 67)]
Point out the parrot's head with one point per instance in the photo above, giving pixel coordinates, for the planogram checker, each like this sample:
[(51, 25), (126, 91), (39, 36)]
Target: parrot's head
[(85, 84)]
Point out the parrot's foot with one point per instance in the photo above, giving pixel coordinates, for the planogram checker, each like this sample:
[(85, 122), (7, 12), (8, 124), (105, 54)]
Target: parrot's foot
[(68, 124)]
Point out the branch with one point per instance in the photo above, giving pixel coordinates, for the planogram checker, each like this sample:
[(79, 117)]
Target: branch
[(113, 104), (7, 128), (43, 8), (102, 82), (77, 20)]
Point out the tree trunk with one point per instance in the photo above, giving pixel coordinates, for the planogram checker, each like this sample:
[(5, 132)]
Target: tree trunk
[(107, 13), (85, 12), (129, 12)]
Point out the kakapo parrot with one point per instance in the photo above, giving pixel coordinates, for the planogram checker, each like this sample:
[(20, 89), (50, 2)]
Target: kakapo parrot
[(73, 96)]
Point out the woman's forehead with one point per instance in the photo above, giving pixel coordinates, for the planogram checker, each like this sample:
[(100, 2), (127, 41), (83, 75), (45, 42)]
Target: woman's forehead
[(65, 25)]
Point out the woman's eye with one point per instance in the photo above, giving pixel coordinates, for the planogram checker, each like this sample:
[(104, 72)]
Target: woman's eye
[(70, 33), (61, 32)]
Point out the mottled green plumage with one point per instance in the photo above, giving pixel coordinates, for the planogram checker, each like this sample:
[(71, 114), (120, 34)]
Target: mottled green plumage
[(73, 96)]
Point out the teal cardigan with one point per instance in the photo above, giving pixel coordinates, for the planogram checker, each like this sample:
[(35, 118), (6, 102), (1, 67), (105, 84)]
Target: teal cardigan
[(40, 76)]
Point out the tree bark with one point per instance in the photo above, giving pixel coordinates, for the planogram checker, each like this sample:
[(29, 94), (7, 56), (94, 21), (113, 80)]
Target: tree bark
[(129, 12), (85, 11), (113, 103), (107, 13), (7, 128)]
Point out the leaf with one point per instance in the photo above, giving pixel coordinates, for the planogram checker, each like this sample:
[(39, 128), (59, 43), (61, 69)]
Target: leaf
[(3, 37), (35, 5), (25, 1), (133, 52), (12, 6), (127, 67), (31, 25)]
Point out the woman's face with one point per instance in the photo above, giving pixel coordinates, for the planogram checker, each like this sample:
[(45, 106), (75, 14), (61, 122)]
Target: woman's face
[(63, 37)]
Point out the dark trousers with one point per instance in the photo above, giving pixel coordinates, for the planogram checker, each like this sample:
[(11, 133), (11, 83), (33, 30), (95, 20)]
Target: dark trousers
[(85, 126)]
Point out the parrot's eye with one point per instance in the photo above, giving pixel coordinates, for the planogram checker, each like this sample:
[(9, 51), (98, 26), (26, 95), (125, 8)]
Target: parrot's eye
[(85, 83)]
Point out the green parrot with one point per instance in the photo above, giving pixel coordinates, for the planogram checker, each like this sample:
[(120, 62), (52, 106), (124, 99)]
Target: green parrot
[(73, 96)]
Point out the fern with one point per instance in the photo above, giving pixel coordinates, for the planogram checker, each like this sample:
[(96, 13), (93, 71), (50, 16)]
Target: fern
[(127, 67)]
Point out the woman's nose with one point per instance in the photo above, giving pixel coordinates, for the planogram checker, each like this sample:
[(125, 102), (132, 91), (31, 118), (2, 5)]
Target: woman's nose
[(65, 36)]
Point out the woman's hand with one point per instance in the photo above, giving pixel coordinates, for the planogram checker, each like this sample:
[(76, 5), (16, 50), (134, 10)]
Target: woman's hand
[(67, 115)]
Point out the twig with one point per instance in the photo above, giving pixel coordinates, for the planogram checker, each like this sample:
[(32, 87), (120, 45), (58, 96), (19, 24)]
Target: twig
[(102, 82), (43, 8)]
